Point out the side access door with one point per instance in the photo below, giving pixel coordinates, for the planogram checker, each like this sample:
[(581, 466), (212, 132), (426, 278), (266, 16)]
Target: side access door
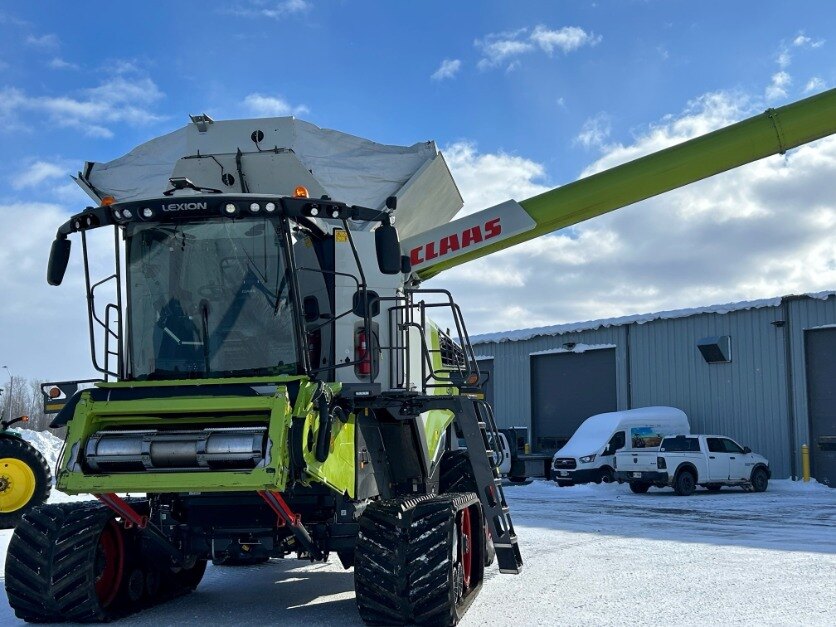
[(719, 462)]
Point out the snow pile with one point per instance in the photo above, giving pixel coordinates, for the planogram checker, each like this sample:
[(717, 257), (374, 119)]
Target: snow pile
[(577, 349), (48, 445)]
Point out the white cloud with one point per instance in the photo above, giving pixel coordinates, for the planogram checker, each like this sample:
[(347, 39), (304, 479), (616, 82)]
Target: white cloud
[(46, 42), (58, 63), (448, 69), (486, 179), (566, 39), (777, 89), (594, 132), (271, 106), (501, 48), (49, 338), (802, 41), (272, 10), (37, 173), (758, 231), (814, 84), (118, 99)]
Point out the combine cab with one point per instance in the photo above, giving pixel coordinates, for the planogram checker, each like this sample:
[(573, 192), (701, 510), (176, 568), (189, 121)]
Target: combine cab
[(275, 384)]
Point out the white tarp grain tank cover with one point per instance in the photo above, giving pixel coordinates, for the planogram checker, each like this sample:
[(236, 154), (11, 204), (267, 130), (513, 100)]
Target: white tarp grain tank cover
[(276, 156), (596, 430)]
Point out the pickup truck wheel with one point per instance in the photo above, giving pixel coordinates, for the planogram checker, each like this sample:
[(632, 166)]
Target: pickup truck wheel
[(607, 475), (760, 480), (685, 483), (713, 487), (638, 487)]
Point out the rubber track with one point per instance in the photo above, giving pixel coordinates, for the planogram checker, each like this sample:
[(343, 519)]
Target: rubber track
[(403, 561), (456, 473), (20, 449), (50, 566)]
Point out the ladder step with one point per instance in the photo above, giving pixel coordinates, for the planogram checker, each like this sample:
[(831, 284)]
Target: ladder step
[(482, 425)]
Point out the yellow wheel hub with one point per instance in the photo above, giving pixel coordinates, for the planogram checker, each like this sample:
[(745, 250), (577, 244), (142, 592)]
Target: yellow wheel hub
[(17, 484)]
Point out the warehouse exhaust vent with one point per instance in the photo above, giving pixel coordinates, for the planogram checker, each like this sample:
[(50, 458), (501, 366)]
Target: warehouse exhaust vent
[(715, 350)]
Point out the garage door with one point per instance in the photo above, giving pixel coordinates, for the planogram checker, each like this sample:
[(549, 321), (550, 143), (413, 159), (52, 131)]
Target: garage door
[(821, 375), (566, 389)]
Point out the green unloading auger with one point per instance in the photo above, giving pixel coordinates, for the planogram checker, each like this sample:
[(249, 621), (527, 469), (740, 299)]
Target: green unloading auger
[(773, 132)]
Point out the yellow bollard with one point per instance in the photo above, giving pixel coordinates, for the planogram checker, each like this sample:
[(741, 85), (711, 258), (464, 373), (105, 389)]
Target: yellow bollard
[(805, 462)]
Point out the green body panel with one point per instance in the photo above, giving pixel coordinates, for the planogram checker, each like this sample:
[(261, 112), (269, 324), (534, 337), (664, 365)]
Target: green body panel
[(436, 421), (201, 411), (772, 132)]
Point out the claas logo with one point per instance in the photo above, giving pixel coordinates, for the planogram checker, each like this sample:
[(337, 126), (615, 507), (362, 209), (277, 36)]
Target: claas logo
[(456, 241)]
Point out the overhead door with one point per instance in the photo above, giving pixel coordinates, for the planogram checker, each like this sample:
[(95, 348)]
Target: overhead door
[(566, 389), (820, 347)]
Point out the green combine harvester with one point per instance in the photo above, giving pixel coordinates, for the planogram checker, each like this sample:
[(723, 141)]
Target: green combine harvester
[(275, 385)]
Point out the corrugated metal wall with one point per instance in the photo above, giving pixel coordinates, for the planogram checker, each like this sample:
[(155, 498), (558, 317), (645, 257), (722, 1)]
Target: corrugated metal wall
[(754, 399), (804, 313), (512, 370), (745, 399)]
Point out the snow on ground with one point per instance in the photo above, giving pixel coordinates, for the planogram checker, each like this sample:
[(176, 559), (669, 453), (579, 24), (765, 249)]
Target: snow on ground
[(45, 442), (593, 555)]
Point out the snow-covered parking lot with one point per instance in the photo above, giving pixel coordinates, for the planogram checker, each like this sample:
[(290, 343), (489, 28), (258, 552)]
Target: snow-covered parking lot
[(593, 555)]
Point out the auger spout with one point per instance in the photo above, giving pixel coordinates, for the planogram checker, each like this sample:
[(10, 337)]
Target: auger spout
[(773, 132)]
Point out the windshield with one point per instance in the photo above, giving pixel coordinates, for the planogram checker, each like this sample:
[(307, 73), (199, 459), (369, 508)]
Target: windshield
[(209, 299)]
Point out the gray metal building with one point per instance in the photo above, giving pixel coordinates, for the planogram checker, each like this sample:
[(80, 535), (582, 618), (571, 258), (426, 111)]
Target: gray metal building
[(762, 372)]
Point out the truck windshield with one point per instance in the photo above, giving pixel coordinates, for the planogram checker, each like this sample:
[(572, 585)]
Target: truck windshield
[(209, 299)]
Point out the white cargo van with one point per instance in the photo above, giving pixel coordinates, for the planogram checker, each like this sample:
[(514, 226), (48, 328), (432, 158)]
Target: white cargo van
[(590, 453)]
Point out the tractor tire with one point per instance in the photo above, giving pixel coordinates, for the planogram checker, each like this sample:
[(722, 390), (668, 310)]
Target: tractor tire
[(25, 480), (74, 562), (685, 483), (419, 561), (639, 487)]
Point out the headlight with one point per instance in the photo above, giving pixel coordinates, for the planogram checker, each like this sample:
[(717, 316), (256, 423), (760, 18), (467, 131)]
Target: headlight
[(587, 459)]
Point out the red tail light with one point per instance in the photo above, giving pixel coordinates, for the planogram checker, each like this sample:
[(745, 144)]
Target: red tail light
[(362, 354)]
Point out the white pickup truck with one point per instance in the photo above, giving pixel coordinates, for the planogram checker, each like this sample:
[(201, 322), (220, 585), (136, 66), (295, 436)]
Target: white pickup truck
[(686, 461)]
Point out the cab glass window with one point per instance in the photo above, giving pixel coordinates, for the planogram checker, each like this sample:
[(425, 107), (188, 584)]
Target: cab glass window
[(617, 442), (730, 446), (715, 445)]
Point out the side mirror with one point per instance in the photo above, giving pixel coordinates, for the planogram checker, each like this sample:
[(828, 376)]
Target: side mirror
[(59, 257), (747, 450), (406, 264), (388, 249)]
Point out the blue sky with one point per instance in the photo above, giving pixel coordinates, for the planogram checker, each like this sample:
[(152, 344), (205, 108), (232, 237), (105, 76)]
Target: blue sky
[(519, 95)]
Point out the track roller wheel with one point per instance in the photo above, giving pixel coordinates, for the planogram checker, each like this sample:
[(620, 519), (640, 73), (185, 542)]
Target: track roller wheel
[(419, 560)]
